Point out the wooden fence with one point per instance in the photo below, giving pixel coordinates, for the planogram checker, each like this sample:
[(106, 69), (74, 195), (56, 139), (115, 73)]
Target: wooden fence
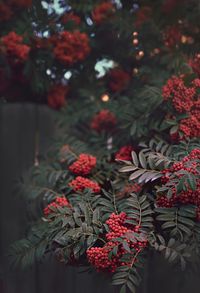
[(18, 124)]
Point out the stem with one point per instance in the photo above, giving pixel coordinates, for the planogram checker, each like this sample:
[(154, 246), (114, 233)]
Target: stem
[(74, 154), (135, 256), (132, 263), (90, 207)]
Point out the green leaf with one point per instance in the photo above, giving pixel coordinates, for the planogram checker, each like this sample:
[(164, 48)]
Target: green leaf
[(171, 242), (136, 174), (131, 287), (135, 159), (142, 160), (161, 239), (118, 282), (179, 187), (174, 129), (119, 275), (165, 217), (115, 250), (123, 289), (173, 256), (185, 229), (126, 246), (186, 221), (128, 169), (167, 252), (168, 225), (133, 129), (192, 182), (134, 279)]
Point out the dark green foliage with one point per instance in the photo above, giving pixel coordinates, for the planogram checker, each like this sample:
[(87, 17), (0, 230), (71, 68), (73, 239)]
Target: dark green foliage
[(179, 221)]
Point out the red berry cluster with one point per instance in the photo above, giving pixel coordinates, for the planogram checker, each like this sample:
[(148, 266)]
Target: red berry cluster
[(172, 36), (190, 163), (184, 197), (185, 99), (195, 64), (84, 164), (56, 96), (58, 202), (12, 45), (70, 17), (8, 6), (5, 12), (41, 43), (118, 79), (191, 126), (102, 12), (70, 47), (103, 121), (181, 95), (124, 153), (99, 256), (170, 5), (143, 15), (118, 227), (20, 3), (81, 183)]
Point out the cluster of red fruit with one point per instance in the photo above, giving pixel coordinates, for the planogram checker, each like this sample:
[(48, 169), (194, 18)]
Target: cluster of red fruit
[(13, 47), (56, 96), (118, 79), (124, 153), (190, 126), (170, 5), (191, 164), (58, 202), (20, 3), (100, 258), (70, 17), (182, 96), (143, 15), (172, 36), (8, 7), (83, 165), (81, 183), (70, 47), (185, 99), (40, 43), (102, 12), (184, 198), (103, 121)]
